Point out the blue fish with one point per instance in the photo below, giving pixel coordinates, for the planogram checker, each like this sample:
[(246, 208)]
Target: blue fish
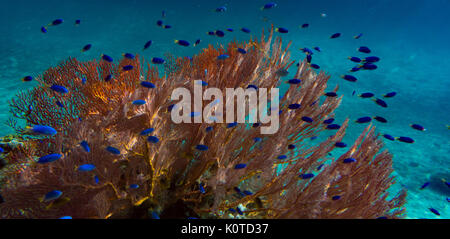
[(113, 150), (315, 66), (328, 121), (294, 81), (242, 51), (366, 95), (223, 57), (239, 211), (107, 58), (248, 193), (146, 131), (381, 102), (219, 33), (369, 66), (49, 158), (434, 211), (128, 55), (139, 102), (335, 35), (86, 167), (59, 88), (221, 9), (155, 215), (355, 59), (364, 49), (246, 30), (231, 125), (306, 175), (417, 127), (58, 103), (320, 167), (52, 195), (337, 197), (390, 94), (147, 84), (257, 139), (349, 78), (282, 157), (405, 139), (56, 22), (147, 44), (240, 166), (65, 217), (363, 120), (349, 160), (425, 185), (281, 30), (85, 146), (390, 137), (380, 119), (307, 119), (355, 69), (157, 60), (86, 48), (307, 50), (153, 139), (202, 189), (358, 36), (294, 106), (27, 78), (127, 68), (333, 126), (182, 42), (371, 59), (340, 144), (134, 186), (209, 128), (268, 5), (330, 94), (201, 147), (108, 77)]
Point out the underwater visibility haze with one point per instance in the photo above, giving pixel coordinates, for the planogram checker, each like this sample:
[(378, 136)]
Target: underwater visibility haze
[(87, 131)]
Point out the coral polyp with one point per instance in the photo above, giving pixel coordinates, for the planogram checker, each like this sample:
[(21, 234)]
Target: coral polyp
[(133, 175)]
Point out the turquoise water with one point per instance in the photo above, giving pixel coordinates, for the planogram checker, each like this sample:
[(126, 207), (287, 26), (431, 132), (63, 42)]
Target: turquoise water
[(411, 38)]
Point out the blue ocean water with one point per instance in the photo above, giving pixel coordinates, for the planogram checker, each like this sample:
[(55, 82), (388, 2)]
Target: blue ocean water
[(410, 36)]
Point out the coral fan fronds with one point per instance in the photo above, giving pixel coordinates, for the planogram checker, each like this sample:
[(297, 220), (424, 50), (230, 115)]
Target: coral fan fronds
[(170, 177)]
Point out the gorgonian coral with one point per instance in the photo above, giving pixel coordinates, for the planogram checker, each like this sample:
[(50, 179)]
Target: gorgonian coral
[(173, 179)]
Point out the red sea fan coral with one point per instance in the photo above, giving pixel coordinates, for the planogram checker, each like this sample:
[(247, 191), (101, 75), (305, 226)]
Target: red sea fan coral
[(172, 178)]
